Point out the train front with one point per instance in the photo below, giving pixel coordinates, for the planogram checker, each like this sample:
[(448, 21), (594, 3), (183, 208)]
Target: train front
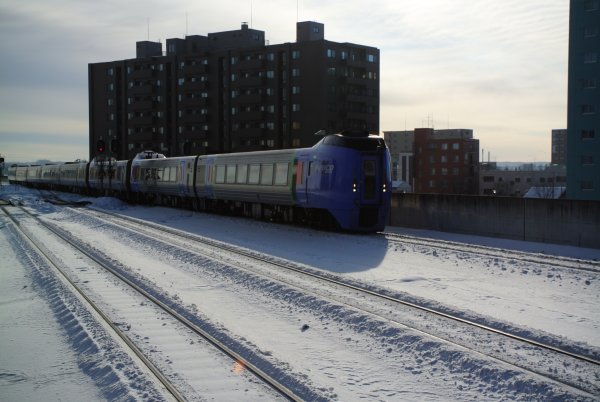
[(355, 180)]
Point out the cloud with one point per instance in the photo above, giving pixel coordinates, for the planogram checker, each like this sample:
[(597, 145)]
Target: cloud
[(499, 67)]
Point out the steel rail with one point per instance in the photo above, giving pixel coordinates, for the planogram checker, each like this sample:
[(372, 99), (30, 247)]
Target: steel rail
[(235, 250), (50, 260), (260, 374), (496, 252)]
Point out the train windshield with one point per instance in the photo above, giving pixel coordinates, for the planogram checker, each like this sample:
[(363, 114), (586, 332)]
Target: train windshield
[(359, 143)]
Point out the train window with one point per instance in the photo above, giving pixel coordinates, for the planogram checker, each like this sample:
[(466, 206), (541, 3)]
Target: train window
[(231, 173), (220, 174), (369, 175), (281, 174), (254, 174), (242, 174), (266, 174)]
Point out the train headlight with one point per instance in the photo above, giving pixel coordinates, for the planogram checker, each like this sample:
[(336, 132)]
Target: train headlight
[(384, 187), (354, 187)]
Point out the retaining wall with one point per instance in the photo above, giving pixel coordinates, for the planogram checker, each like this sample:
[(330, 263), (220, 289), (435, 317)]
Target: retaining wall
[(570, 222)]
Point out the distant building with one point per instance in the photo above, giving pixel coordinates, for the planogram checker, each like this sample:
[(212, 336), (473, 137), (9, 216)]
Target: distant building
[(230, 91), (435, 161), (518, 182), (583, 114), (401, 144), (559, 147)]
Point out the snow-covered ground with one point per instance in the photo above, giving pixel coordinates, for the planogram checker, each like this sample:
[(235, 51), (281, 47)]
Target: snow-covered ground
[(341, 359)]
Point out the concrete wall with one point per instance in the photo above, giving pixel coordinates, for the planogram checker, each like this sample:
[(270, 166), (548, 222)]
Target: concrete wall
[(569, 222)]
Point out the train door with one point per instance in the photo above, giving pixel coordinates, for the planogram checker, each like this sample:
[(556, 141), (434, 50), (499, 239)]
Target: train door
[(370, 174)]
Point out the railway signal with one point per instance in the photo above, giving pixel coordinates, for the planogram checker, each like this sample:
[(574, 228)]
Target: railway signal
[(100, 146)]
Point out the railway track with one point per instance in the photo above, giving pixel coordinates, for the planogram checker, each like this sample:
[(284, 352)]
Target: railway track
[(147, 295), (380, 302), (521, 256)]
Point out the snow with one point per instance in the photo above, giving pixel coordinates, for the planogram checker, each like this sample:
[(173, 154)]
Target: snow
[(340, 353)]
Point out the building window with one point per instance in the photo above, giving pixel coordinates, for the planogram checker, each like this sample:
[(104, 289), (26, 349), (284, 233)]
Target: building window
[(444, 159), (444, 146), (588, 134), (296, 125), (296, 54), (590, 57), (587, 185), (588, 83), (591, 5), (295, 72), (110, 71), (295, 142), (371, 58), (588, 109), (344, 55), (295, 107), (331, 71), (295, 90), (587, 160), (444, 171), (590, 32), (330, 53), (456, 146)]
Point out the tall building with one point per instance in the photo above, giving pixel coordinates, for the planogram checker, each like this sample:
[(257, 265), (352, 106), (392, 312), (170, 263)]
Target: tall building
[(435, 161), (230, 92), (559, 147), (583, 114)]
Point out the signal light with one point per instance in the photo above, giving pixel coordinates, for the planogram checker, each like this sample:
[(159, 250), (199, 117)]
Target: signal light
[(100, 146)]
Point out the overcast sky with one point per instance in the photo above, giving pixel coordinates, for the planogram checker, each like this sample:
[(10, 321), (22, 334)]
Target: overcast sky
[(498, 67)]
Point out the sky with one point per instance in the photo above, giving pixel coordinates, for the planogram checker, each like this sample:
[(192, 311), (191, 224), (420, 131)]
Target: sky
[(497, 67)]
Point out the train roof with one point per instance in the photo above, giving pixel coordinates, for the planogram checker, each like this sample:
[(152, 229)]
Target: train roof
[(360, 140)]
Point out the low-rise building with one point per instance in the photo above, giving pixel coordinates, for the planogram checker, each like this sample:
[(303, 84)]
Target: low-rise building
[(519, 181), (435, 161)]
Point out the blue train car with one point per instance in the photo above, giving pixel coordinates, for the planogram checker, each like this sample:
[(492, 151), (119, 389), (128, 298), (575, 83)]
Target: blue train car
[(349, 176)]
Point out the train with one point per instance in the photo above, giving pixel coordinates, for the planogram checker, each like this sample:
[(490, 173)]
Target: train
[(343, 182)]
